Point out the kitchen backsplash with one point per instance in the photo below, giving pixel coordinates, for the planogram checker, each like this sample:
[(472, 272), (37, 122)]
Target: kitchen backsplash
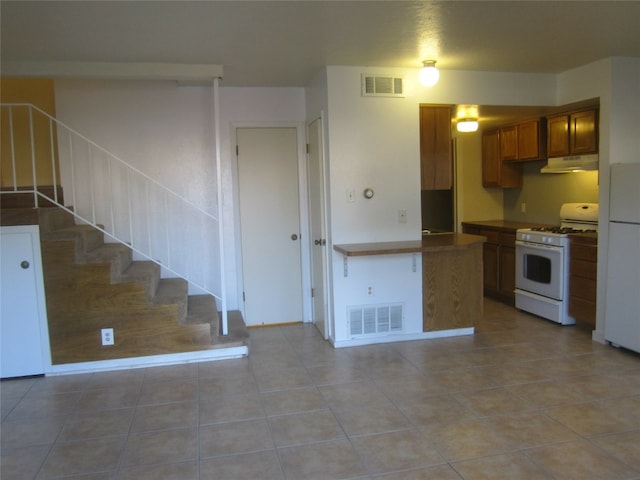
[(542, 195)]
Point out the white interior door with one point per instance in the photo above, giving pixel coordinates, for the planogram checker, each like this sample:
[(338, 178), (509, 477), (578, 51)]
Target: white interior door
[(270, 224), (20, 339), (318, 231)]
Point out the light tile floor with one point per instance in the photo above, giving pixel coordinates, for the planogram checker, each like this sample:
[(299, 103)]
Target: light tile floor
[(521, 399)]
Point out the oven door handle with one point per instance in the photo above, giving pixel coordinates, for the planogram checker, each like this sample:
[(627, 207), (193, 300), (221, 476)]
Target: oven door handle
[(538, 246)]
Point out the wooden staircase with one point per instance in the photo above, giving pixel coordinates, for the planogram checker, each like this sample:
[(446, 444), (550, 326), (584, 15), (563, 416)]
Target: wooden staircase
[(91, 285)]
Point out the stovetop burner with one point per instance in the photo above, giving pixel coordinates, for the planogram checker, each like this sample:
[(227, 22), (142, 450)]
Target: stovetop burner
[(562, 230)]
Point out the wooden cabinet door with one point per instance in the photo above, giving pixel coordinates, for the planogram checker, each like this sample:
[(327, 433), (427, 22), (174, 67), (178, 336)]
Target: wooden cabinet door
[(558, 136), (507, 271), (490, 267), (583, 132), (491, 160), (528, 140), (436, 164), (583, 280), (509, 143), (507, 265), (495, 172)]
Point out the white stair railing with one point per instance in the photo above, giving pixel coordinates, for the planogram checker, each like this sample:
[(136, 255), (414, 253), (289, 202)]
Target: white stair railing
[(102, 190)]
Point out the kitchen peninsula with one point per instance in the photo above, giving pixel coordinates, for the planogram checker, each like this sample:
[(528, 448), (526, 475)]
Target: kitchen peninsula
[(451, 292)]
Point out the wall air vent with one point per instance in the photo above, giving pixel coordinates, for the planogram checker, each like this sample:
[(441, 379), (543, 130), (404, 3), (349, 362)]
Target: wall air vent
[(382, 85), (375, 319)]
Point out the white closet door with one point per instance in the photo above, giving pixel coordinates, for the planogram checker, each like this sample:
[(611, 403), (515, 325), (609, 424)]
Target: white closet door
[(22, 301)]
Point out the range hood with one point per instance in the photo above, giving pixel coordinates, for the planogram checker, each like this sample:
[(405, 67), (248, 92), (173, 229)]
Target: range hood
[(573, 163)]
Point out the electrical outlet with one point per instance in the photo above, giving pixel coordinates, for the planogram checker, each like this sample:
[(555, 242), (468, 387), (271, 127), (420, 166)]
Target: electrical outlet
[(107, 336), (370, 291), (402, 216), (523, 207)]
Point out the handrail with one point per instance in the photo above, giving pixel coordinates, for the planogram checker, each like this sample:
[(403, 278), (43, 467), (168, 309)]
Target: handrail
[(165, 227)]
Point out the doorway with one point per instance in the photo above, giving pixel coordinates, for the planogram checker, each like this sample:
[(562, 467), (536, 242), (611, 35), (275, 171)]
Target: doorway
[(270, 224), (318, 234)]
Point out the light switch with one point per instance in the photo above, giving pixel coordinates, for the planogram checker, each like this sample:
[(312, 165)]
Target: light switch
[(351, 195)]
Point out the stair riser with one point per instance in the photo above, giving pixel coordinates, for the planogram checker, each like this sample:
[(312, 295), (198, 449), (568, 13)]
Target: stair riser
[(52, 219), (119, 264)]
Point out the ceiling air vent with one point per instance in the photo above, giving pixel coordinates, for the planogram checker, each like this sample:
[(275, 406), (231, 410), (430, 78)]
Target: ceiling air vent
[(382, 85)]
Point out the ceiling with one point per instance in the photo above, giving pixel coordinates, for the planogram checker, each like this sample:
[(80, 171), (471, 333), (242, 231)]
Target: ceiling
[(284, 43)]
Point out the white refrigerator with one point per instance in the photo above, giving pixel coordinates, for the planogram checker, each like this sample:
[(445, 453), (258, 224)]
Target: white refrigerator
[(622, 307)]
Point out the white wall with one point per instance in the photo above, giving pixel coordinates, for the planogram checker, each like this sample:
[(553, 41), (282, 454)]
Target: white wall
[(164, 130)]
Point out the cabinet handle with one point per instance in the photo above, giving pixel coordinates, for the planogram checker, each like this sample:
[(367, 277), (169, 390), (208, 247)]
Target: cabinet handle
[(24, 264)]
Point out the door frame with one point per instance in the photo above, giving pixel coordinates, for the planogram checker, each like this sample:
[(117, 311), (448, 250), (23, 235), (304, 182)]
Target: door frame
[(305, 254)]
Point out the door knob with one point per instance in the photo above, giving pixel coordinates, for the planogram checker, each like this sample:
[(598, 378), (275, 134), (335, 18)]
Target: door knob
[(317, 242), (24, 264), (294, 237), (320, 241)]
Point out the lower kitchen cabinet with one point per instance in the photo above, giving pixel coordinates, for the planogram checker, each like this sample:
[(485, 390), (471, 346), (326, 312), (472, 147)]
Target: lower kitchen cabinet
[(583, 274), (498, 256), (507, 262), (499, 262)]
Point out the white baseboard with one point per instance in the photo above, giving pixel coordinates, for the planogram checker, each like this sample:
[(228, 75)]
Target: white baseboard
[(150, 361), (373, 340)]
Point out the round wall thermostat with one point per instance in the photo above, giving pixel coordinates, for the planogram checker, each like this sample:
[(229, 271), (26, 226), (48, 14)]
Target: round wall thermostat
[(368, 193)]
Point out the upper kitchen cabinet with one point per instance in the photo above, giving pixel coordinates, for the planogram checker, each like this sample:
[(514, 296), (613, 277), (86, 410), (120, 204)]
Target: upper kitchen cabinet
[(496, 172), (436, 164), (523, 142), (509, 143), (572, 133)]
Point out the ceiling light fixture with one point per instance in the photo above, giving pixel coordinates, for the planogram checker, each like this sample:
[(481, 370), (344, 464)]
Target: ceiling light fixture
[(467, 118), (466, 125), (429, 74)]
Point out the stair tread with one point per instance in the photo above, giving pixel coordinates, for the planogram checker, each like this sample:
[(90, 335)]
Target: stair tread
[(238, 333)]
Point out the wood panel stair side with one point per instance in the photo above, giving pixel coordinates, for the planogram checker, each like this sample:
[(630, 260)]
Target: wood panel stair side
[(92, 285)]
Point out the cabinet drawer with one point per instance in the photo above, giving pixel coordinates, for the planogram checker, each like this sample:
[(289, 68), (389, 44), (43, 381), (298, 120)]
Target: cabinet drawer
[(492, 236), (584, 311), (508, 239), (581, 287), (583, 252), (583, 268)]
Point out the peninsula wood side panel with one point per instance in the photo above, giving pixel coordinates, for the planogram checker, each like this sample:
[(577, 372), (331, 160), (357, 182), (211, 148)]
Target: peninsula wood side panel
[(452, 288)]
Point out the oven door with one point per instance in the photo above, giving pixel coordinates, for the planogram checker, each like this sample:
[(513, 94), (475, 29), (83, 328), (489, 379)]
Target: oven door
[(540, 269)]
